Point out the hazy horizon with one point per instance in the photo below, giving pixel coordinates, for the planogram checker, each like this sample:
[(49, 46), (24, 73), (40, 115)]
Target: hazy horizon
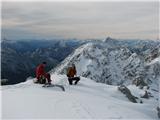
[(80, 20)]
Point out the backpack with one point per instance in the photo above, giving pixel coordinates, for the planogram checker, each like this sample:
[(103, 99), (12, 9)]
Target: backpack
[(68, 71)]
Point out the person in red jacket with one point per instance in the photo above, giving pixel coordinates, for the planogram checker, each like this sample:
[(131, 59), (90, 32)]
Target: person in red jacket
[(41, 74)]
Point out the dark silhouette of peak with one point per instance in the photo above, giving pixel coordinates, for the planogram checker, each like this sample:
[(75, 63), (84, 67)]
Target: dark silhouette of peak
[(108, 39)]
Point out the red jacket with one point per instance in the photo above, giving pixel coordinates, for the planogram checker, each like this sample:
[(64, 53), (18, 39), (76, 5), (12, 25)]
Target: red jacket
[(40, 71)]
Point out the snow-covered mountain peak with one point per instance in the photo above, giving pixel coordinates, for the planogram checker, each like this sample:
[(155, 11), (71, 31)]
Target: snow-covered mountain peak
[(100, 63), (110, 63), (108, 39)]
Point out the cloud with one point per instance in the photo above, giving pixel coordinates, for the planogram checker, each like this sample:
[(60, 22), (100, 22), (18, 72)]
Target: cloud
[(81, 19)]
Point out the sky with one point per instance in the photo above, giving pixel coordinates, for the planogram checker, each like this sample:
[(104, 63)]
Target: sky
[(81, 20)]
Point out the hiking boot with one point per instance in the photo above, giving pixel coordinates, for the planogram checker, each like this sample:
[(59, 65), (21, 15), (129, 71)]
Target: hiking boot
[(76, 82), (36, 82), (49, 83)]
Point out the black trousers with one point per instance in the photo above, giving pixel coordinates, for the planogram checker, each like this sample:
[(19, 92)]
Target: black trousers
[(71, 79)]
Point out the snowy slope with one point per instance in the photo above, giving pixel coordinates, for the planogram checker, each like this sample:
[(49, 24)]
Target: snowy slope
[(86, 100)]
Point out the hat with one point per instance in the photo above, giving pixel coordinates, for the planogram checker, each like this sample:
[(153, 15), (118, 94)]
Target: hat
[(44, 62)]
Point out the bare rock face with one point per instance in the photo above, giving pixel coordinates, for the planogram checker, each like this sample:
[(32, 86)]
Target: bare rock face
[(127, 92), (154, 53)]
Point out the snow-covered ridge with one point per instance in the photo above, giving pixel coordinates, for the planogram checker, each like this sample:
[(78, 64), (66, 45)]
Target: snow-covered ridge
[(86, 100), (112, 62)]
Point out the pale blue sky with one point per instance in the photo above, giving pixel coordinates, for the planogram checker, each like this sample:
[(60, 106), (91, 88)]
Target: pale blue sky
[(81, 20)]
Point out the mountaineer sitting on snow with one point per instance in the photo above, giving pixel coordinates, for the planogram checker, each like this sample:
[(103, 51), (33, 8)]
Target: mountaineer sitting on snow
[(41, 75), (71, 72)]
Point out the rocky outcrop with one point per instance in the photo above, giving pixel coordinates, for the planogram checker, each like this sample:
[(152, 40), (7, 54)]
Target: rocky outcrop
[(128, 94)]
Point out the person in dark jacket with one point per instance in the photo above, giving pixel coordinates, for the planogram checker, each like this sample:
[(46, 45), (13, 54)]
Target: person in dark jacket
[(41, 75), (71, 73)]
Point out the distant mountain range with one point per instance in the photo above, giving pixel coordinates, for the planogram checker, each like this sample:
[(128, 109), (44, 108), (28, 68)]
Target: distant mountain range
[(109, 61), (20, 58)]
